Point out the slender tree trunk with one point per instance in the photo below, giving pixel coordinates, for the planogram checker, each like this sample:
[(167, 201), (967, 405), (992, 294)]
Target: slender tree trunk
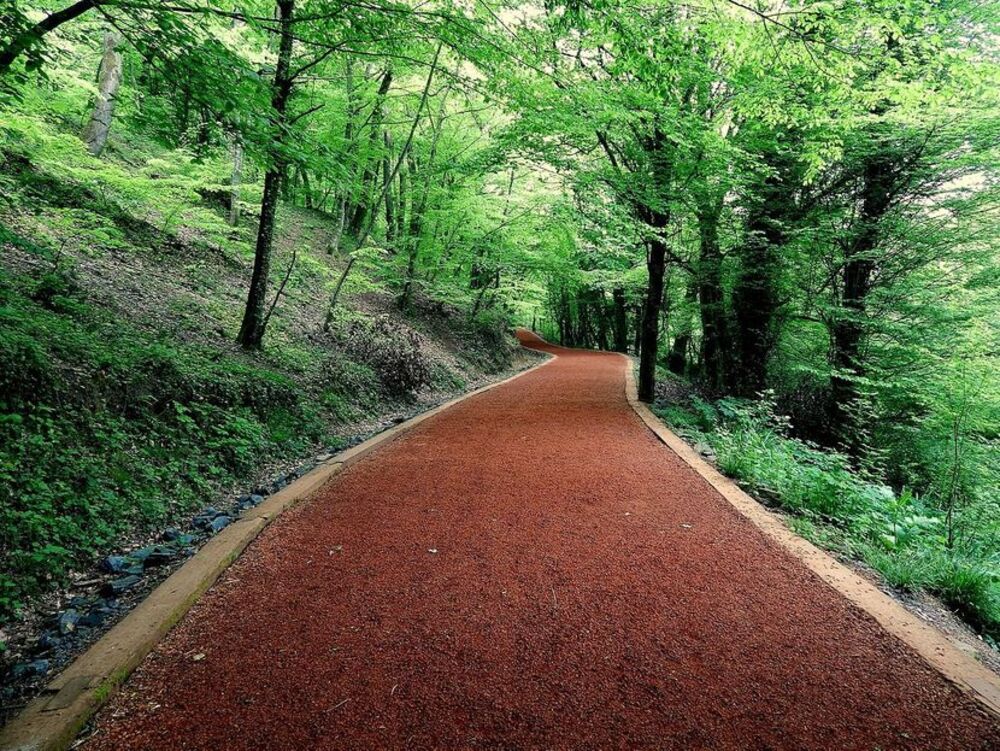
[(368, 177), (235, 183), (601, 308), (677, 359), (656, 254), (715, 344), (251, 333), (30, 37), (620, 321), (336, 293), (390, 198), (109, 78)]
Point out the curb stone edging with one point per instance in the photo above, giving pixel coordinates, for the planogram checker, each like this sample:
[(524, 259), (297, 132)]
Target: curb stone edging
[(933, 646), (52, 720)]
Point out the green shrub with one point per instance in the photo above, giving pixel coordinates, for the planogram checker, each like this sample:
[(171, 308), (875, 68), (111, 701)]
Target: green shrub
[(103, 431), (898, 533)]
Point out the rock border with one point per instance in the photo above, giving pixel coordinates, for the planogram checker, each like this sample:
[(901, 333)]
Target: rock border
[(52, 721), (932, 645)]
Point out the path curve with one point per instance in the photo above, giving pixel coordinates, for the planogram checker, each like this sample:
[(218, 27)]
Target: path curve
[(530, 569)]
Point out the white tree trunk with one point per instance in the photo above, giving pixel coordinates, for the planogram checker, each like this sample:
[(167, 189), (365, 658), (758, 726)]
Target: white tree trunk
[(109, 78), (235, 183)]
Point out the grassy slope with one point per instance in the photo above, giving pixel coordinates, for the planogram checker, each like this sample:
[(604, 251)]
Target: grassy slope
[(123, 402)]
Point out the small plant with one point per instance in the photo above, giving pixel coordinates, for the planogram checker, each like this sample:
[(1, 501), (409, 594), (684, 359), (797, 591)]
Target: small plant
[(395, 356)]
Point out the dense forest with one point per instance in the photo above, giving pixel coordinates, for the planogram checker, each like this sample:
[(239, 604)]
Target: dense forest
[(787, 211)]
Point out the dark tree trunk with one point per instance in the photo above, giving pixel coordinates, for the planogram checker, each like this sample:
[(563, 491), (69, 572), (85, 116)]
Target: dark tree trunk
[(848, 327), (30, 37), (656, 254), (620, 320), (755, 297), (715, 343), (637, 330), (601, 310), (251, 333)]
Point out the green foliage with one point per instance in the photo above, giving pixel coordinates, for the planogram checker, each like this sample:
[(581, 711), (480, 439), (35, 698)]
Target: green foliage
[(899, 534), (103, 431)]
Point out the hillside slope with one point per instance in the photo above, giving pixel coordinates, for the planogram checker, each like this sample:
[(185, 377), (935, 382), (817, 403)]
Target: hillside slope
[(124, 403)]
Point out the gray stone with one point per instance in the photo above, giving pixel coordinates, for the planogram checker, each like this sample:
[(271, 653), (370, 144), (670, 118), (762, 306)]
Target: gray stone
[(114, 564), (117, 587), (67, 621), (48, 641), (95, 617), (161, 554), (219, 523)]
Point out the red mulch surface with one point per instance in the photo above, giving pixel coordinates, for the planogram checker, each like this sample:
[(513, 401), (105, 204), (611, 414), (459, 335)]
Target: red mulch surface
[(530, 569)]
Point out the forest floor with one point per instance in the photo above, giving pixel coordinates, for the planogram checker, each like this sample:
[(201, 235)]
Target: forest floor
[(530, 568)]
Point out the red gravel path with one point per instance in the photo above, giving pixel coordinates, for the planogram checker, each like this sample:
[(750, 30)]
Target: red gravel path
[(588, 590)]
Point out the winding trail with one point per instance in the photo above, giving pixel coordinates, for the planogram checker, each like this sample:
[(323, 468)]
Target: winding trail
[(530, 569)]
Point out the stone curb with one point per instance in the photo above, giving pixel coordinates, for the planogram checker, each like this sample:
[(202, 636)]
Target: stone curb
[(936, 649), (52, 721)]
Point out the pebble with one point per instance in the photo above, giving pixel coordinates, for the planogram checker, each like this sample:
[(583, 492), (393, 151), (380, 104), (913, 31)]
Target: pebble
[(26, 669)]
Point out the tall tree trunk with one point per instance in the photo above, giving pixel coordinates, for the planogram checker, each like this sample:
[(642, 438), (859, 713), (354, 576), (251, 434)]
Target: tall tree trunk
[(601, 309), (33, 36), (637, 329), (677, 359), (620, 320), (359, 218), (251, 333), (715, 343), (235, 183), (109, 78), (656, 254), (848, 327), (390, 198), (658, 219), (755, 297)]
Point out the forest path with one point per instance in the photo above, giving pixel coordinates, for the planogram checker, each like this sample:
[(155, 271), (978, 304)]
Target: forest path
[(530, 569)]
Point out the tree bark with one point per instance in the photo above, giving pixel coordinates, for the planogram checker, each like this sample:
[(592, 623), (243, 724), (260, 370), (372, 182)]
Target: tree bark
[(715, 342), (109, 78), (649, 339), (360, 215), (390, 198), (847, 328), (620, 320), (235, 183), (251, 333), (677, 359), (755, 297)]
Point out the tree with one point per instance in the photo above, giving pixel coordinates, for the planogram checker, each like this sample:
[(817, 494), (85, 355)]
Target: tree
[(109, 77), (251, 333)]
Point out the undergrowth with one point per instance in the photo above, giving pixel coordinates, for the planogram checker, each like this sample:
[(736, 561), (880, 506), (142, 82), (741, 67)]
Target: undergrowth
[(841, 507)]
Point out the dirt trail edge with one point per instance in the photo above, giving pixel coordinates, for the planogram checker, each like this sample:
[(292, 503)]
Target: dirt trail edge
[(531, 569)]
